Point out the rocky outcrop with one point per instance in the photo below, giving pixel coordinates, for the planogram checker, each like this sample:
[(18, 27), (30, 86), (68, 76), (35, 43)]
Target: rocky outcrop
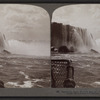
[(1, 84), (63, 49), (94, 51), (6, 52)]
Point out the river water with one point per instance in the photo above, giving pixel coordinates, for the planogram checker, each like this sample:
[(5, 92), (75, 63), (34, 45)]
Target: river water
[(86, 68), (18, 71)]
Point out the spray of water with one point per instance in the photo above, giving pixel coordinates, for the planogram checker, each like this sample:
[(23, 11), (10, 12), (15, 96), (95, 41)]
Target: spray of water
[(29, 48), (36, 48)]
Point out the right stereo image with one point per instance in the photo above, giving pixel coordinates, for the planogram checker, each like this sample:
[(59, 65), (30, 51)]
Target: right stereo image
[(75, 46)]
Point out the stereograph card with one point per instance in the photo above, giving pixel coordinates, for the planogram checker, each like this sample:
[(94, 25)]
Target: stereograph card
[(49, 49)]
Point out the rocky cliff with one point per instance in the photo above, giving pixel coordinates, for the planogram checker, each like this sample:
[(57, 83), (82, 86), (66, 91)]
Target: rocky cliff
[(74, 38)]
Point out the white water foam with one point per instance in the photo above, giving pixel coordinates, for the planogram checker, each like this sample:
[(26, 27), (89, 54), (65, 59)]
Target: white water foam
[(26, 76), (37, 80), (29, 66), (1, 66), (27, 84), (96, 84)]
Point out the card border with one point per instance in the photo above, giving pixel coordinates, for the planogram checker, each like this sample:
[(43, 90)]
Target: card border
[(49, 92)]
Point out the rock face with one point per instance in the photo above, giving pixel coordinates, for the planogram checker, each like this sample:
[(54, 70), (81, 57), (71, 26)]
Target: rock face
[(94, 51), (6, 52), (1, 84), (74, 38)]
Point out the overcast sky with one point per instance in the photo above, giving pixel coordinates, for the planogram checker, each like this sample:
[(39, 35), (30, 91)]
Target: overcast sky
[(82, 15), (24, 22)]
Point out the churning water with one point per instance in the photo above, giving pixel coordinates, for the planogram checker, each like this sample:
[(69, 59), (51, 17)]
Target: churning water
[(26, 66), (86, 66)]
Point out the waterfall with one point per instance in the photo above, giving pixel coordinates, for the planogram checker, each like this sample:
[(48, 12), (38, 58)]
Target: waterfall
[(2, 42), (72, 37)]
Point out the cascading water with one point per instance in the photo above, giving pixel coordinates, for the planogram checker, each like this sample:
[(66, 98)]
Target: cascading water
[(36, 48), (72, 37), (3, 43)]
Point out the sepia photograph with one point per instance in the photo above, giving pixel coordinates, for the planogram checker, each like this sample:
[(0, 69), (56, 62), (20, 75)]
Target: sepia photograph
[(75, 46), (24, 46)]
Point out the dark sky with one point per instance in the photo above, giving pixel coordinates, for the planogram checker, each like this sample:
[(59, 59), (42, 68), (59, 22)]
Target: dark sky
[(24, 22)]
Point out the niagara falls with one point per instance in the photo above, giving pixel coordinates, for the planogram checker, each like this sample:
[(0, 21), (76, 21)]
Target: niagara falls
[(75, 36), (24, 46), (85, 54)]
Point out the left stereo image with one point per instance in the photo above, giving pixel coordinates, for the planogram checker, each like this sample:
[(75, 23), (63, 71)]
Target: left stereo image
[(24, 46)]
